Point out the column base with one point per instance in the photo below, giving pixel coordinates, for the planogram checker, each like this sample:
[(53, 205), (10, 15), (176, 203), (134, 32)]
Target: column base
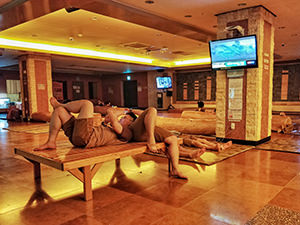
[(244, 142)]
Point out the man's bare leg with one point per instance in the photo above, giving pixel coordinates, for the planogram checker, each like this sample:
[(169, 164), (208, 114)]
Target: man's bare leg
[(195, 143), (150, 122), (85, 108), (202, 143), (173, 152), (61, 115), (205, 141), (58, 118), (192, 154)]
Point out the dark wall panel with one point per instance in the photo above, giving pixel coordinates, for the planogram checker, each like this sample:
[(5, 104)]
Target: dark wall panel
[(293, 71), (190, 78)]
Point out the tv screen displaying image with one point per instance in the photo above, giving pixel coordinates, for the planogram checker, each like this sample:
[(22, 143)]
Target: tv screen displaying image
[(234, 53), (163, 82)]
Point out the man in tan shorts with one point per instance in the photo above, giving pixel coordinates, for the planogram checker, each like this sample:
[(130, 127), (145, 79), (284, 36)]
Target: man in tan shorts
[(81, 131)]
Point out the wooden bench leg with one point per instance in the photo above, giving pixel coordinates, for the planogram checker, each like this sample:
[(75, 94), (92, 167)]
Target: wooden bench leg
[(87, 183), (36, 168), (85, 175)]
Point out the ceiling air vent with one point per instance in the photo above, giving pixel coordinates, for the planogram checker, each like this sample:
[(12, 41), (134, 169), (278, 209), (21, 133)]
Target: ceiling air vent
[(136, 45), (152, 48), (181, 53)]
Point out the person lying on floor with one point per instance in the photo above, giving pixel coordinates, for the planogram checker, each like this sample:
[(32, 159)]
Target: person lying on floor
[(193, 141)]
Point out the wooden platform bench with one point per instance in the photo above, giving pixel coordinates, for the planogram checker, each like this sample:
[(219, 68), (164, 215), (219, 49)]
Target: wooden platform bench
[(81, 163)]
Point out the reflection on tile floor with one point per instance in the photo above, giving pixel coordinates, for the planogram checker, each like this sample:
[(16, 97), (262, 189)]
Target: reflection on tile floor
[(139, 191)]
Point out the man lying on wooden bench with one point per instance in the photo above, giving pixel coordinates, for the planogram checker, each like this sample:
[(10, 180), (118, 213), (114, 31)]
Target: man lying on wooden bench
[(82, 133)]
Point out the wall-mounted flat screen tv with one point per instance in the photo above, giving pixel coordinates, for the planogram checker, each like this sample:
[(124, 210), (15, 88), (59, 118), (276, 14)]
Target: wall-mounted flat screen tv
[(163, 82), (234, 53)]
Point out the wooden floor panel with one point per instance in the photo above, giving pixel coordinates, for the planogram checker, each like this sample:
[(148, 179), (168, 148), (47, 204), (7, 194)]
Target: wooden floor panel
[(138, 190)]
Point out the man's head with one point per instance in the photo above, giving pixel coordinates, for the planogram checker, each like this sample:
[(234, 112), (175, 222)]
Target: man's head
[(128, 118)]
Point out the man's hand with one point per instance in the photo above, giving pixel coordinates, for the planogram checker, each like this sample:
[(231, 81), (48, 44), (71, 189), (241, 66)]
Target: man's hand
[(137, 111), (112, 117), (107, 119)]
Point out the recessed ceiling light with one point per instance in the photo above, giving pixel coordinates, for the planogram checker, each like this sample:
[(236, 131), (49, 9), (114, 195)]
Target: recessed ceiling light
[(188, 16), (149, 2), (64, 50), (80, 35), (242, 4), (94, 18)]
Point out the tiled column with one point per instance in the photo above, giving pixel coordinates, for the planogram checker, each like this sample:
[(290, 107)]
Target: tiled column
[(36, 84), (255, 125)]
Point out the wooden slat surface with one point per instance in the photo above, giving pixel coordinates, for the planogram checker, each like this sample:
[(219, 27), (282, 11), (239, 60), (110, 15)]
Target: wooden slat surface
[(67, 157)]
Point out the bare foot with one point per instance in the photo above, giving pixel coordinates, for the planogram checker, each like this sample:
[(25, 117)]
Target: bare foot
[(46, 146), (54, 103), (222, 147), (197, 153), (152, 148), (177, 174), (227, 144)]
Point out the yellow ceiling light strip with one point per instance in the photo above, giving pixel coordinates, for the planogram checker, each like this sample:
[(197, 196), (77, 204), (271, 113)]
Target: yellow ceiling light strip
[(23, 45), (192, 62)]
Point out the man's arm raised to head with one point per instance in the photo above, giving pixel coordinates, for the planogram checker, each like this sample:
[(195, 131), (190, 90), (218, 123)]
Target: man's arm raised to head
[(101, 109), (113, 115), (137, 111)]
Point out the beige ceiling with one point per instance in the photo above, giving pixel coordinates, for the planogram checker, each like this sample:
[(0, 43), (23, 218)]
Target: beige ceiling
[(87, 30), (159, 31)]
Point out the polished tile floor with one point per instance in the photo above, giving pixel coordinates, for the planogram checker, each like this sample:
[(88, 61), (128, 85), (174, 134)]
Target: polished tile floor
[(137, 190)]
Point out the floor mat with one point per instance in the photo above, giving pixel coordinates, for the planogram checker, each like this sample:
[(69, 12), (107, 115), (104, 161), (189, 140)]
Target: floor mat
[(275, 215), (212, 157), (282, 145), (30, 129)]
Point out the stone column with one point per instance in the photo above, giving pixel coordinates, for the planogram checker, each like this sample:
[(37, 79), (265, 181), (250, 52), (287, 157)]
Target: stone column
[(36, 84), (255, 125)]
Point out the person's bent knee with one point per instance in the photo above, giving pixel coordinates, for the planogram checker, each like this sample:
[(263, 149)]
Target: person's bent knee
[(60, 109), (171, 140), (87, 104), (151, 110)]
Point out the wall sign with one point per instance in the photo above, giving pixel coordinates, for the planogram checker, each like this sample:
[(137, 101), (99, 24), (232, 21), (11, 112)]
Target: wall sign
[(235, 99)]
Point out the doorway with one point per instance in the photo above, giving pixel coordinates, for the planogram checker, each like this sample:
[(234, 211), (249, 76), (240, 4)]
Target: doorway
[(92, 90), (130, 93), (77, 90)]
